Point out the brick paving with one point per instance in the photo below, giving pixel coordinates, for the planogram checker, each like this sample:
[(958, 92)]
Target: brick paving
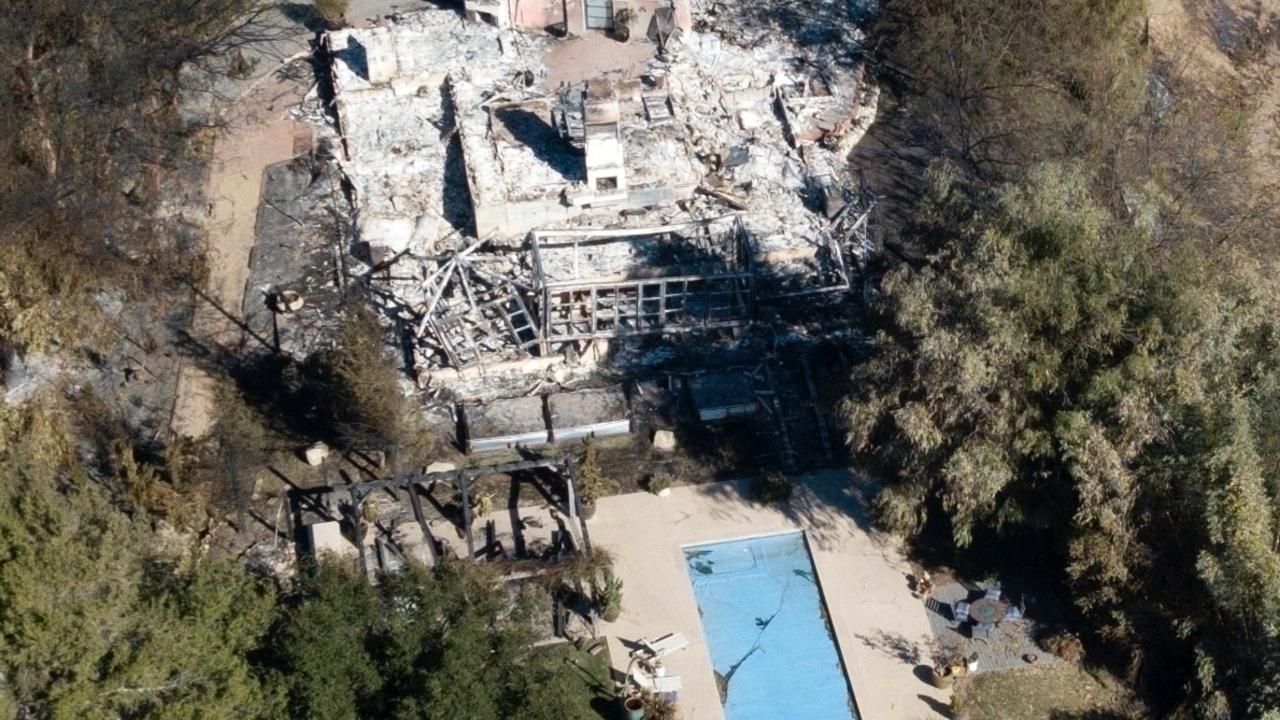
[(1011, 640)]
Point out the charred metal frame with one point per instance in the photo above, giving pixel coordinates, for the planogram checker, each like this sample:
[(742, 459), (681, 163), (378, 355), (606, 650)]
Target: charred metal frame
[(850, 238), (702, 277), (588, 307)]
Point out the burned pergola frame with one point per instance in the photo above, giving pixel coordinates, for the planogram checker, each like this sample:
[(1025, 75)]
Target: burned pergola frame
[(461, 479), (700, 277)]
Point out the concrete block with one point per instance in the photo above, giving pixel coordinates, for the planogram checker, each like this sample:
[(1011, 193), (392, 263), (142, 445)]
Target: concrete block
[(664, 441), (316, 454)]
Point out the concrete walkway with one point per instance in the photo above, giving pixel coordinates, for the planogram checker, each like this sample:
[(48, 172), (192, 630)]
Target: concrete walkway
[(881, 630), (260, 133)]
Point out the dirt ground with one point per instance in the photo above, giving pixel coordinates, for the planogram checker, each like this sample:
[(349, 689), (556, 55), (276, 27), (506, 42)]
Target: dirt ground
[(260, 133), (1060, 690)]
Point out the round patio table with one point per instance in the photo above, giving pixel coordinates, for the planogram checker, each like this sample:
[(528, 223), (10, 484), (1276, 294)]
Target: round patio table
[(987, 610)]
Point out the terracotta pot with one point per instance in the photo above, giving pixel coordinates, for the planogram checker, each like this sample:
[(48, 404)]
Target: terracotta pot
[(941, 678)]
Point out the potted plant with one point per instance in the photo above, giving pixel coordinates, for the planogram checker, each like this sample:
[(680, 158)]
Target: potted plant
[(608, 596), (633, 706), (948, 664), (622, 20), (657, 707), (590, 478), (660, 484)]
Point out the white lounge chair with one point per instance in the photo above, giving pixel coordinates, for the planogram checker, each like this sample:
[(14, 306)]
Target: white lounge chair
[(665, 685), (663, 646), (646, 681)]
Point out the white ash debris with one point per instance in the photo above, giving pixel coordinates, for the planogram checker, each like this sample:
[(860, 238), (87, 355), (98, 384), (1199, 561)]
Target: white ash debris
[(763, 126)]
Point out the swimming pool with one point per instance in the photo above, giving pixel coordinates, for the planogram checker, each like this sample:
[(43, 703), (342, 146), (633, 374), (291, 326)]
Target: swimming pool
[(767, 630)]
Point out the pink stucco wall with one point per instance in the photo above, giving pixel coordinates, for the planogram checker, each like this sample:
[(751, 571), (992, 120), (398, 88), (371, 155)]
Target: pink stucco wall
[(536, 13), (541, 13)]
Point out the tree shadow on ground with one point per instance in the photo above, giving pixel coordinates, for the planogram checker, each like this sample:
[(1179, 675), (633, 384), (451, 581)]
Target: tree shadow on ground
[(937, 706), (304, 14), (823, 503), (893, 644)]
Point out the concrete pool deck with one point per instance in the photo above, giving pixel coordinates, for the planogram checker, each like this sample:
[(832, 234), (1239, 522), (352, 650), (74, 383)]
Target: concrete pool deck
[(880, 629)]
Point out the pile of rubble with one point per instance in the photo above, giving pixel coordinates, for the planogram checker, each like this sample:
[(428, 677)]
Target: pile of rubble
[(455, 148)]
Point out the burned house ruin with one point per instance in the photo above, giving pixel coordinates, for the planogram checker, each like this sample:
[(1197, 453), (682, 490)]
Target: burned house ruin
[(546, 245), (520, 223)]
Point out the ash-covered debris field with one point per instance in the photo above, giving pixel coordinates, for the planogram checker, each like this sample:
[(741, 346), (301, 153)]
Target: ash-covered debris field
[(528, 231)]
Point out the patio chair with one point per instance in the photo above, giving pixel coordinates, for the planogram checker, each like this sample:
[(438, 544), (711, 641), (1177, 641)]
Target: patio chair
[(1013, 613), (659, 685), (664, 645), (984, 631), (993, 592), (962, 611), (646, 679)]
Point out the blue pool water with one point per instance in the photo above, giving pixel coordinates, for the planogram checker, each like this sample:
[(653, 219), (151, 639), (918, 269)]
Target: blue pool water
[(763, 619)]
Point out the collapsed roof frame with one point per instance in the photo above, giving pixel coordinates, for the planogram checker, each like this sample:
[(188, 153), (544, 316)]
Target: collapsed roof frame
[(858, 223), (483, 318), (593, 284), (850, 236), (716, 293)]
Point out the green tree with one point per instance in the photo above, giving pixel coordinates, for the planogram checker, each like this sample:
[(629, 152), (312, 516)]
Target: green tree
[(92, 136), (1043, 370), (325, 644), (93, 623), (1082, 350), (448, 643), (358, 386), (1004, 85)]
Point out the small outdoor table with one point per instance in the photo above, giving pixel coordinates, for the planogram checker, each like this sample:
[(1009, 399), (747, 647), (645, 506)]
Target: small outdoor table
[(987, 610)]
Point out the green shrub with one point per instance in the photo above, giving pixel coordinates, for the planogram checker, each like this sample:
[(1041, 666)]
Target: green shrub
[(771, 488), (589, 476), (608, 595), (332, 9)]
